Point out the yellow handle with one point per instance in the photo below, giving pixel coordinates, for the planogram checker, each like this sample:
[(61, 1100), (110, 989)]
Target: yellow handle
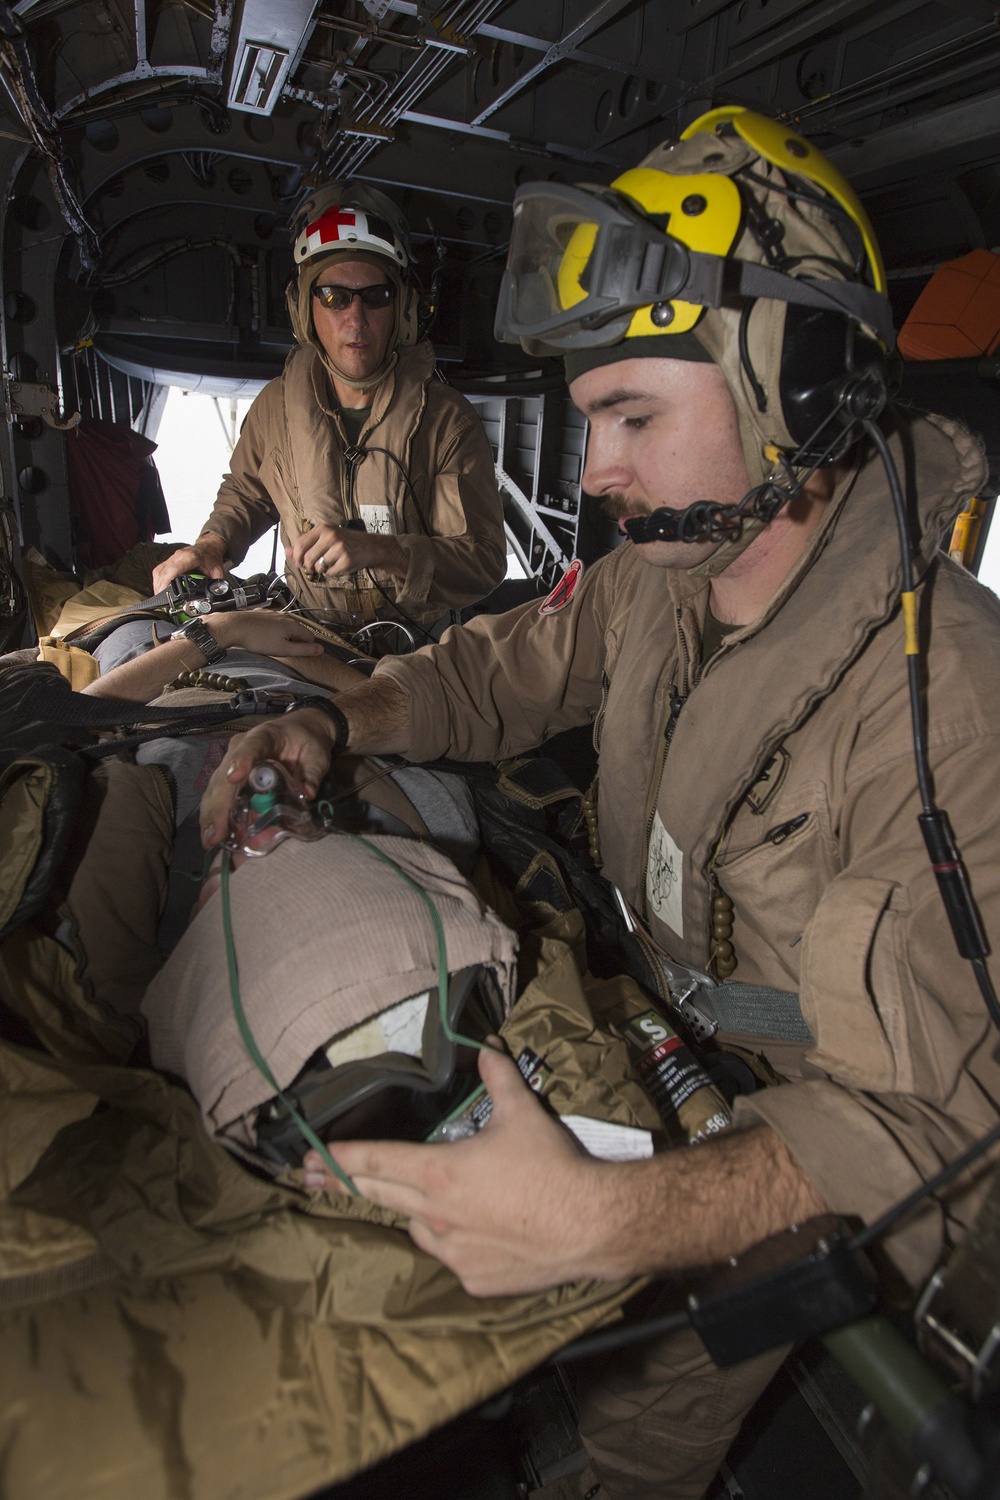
[(910, 623), (965, 534)]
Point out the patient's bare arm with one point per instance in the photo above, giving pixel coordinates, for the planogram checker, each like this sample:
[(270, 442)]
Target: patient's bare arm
[(269, 634)]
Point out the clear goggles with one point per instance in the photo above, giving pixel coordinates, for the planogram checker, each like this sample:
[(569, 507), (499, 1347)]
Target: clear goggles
[(339, 298), (582, 261)]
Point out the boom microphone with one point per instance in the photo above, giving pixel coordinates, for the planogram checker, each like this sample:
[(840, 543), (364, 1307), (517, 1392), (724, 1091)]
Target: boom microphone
[(706, 521)]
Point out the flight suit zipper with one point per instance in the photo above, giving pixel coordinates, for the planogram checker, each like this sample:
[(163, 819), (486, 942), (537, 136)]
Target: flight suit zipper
[(676, 702)]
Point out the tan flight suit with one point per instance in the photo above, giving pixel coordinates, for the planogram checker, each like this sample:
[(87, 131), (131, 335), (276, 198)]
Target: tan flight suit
[(439, 500), (789, 785)]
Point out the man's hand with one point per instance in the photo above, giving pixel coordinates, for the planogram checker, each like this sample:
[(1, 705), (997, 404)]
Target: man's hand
[(301, 741), (334, 550), (208, 556), (518, 1208), (263, 631), (521, 1207)]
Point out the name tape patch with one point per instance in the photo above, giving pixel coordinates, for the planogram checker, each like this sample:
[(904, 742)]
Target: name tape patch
[(378, 519), (665, 878)]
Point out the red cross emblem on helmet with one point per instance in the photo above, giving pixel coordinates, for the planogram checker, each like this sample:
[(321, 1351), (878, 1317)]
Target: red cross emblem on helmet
[(339, 228)]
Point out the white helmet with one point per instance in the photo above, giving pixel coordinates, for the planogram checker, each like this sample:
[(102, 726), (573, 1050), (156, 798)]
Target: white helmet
[(347, 216)]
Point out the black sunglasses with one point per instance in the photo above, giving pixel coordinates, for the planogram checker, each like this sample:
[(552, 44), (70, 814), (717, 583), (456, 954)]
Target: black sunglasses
[(339, 298)]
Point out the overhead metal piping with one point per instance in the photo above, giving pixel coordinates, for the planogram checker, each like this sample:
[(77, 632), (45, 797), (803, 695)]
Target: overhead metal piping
[(456, 21), (488, 132), (854, 99), (924, 142)]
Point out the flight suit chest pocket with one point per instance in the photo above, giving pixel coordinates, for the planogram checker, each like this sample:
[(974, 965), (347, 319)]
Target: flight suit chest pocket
[(775, 883), (852, 990)]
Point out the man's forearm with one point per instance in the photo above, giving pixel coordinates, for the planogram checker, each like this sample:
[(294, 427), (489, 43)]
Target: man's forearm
[(697, 1207), (519, 1207), (145, 677), (377, 717)]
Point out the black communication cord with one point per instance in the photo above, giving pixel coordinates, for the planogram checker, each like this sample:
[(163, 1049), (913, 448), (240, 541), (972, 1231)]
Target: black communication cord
[(881, 1225), (403, 475), (945, 856), (354, 455), (610, 1340)]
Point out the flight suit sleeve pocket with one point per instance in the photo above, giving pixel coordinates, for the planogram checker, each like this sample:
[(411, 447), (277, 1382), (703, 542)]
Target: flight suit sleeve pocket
[(858, 1024), (449, 514)]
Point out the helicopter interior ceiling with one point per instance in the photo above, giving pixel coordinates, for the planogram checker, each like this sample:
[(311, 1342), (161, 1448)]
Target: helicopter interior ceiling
[(151, 152)]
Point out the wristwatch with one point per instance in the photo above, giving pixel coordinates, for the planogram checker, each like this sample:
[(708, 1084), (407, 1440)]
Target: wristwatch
[(197, 633)]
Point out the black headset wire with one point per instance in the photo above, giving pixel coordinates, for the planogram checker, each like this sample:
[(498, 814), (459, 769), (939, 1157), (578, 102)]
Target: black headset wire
[(881, 1225), (824, 201), (354, 454), (759, 394), (946, 859)]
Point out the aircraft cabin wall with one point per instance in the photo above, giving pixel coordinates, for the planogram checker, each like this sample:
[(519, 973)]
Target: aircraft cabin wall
[(146, 193)]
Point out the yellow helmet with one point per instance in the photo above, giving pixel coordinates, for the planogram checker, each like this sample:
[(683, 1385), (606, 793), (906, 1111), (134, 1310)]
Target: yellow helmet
[(741, 236)]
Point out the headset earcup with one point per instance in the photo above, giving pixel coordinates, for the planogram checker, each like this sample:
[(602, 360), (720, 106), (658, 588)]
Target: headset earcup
[(292, 304), (833, 374)]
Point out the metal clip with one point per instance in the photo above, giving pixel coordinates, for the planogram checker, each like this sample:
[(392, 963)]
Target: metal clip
[(255, 701), (686, 987), (22, 399), (702, 1025), (941, 1332), (682, 982)]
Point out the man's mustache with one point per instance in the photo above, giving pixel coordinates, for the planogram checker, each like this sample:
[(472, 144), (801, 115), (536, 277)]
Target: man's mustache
[(616, 506)]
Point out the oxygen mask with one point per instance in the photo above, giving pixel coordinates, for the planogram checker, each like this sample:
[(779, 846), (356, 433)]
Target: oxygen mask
[(270, 808)]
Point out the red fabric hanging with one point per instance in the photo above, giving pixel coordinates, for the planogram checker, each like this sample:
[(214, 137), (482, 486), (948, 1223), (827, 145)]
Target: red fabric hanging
[(114, 491)]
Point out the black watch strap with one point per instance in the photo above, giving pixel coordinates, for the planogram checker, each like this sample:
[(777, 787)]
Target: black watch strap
[(199, 635), (336, 715)]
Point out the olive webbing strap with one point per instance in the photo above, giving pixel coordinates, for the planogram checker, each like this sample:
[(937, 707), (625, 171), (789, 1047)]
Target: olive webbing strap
[(756, 1010), (57, 1281)]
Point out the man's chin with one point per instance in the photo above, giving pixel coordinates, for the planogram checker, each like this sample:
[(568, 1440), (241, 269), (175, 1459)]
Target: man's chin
[(681, 556)]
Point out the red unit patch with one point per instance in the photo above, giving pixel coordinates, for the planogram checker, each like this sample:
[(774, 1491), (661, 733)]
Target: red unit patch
[(564, 589)]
